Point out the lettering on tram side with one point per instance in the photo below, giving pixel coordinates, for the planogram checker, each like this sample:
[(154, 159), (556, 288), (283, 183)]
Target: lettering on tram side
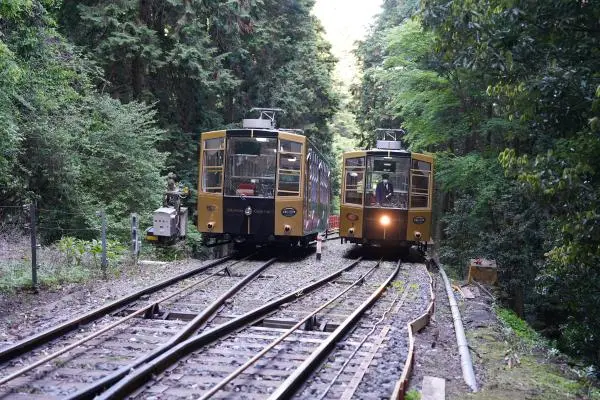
[(254, 211)]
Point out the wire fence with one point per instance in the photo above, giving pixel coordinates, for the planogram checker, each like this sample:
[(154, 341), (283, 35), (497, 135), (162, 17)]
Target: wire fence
[(41, 246)]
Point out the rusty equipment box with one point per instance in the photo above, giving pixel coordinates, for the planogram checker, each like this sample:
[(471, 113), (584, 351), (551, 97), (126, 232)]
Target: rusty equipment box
[(482, 270)]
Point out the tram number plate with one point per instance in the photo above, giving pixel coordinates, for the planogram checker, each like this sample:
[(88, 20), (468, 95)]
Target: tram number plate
[(419, 220), (288, 212)]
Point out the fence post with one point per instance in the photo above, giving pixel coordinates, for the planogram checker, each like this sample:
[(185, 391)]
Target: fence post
[(32, 223), (103, 262), (135, 242)]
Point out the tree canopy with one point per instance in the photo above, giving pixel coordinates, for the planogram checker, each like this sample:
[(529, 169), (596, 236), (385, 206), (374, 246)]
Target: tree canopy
[(205, 63), (99, 101)]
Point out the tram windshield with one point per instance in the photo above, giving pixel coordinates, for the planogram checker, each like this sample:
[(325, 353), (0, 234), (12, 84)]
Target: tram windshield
[(251, 167), (387, 182)]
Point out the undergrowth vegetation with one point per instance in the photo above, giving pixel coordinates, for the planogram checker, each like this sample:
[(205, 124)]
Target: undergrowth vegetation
[(69, 260), (519, 327)]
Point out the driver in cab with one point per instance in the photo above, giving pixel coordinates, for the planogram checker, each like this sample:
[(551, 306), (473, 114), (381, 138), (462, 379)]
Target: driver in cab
[(384, 190)]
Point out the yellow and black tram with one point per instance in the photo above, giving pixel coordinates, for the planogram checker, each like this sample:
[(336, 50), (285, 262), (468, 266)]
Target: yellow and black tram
[(386, 196), (259, 184)]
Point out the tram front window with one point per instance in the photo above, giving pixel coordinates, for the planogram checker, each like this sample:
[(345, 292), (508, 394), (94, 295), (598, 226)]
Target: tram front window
[(251, 167), (387, 182)]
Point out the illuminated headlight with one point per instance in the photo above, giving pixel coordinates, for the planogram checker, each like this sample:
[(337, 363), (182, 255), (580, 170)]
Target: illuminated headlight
[(248, 211), (384, 220)]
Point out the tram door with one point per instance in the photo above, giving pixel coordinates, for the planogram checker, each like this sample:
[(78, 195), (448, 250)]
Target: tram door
[(421, 190), (290, 181), (210, 182), (353, 193)]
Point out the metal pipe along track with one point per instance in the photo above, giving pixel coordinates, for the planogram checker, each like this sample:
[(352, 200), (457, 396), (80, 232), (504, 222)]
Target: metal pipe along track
[(463, 348)]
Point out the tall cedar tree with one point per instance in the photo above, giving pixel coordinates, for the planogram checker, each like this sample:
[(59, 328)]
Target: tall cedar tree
[(206, 63)]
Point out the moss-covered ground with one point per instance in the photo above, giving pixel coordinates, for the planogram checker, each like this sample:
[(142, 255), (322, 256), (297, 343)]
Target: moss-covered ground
[(518, 364)]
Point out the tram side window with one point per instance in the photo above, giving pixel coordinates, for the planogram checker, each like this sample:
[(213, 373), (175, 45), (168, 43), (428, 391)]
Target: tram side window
[(290, 159), (212, 167), (354, 180), (420, 177)]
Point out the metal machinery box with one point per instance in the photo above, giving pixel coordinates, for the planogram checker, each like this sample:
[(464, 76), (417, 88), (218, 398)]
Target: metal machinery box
[(482, 270), (257, 123), (165, 222), (389, 145)]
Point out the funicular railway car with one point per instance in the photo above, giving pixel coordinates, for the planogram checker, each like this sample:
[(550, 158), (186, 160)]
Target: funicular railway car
[(386, 194), (260, 184)]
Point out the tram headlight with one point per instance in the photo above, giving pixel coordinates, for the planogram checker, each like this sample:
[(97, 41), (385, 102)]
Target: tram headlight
[(248, 211), (352, 217), (384, 220)]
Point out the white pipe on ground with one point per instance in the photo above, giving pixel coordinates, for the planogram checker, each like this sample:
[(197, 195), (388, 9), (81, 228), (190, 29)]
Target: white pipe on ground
[(463, 348)]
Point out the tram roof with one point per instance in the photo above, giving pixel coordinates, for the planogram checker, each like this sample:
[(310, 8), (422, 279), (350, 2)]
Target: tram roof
[(380, 152)]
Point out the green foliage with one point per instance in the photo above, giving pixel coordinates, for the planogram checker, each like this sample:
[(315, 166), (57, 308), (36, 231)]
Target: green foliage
[(12, 9), (371, 96), (412, 395), (344, 130), (193, 243), (518, 326), (87, 253), (61, 143), (206, 63)]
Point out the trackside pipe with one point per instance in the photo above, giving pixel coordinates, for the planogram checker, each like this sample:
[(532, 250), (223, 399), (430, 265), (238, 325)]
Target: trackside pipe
[(463, 348)]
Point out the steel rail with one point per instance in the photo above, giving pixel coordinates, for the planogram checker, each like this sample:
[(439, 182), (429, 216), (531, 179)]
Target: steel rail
[(281, 338), (34, 341), (109, 327), (182, 335), (293, 382), (359, 346), (138, 377)]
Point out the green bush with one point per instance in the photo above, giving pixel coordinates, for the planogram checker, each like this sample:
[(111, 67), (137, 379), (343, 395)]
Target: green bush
[(518, 326), (79, 252)]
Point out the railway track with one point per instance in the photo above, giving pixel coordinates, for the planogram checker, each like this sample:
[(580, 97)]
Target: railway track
[(256, 322), (367, 362), (114, 336), (272, 357)]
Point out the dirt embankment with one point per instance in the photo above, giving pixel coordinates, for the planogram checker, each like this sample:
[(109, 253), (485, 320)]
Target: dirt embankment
[(506, 365)]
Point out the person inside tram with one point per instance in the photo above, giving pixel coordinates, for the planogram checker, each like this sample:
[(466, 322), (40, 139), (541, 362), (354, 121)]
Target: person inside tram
[(384, 190)]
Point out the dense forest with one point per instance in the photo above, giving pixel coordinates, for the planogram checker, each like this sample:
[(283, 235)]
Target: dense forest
[(507, 96), (100, 100)]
